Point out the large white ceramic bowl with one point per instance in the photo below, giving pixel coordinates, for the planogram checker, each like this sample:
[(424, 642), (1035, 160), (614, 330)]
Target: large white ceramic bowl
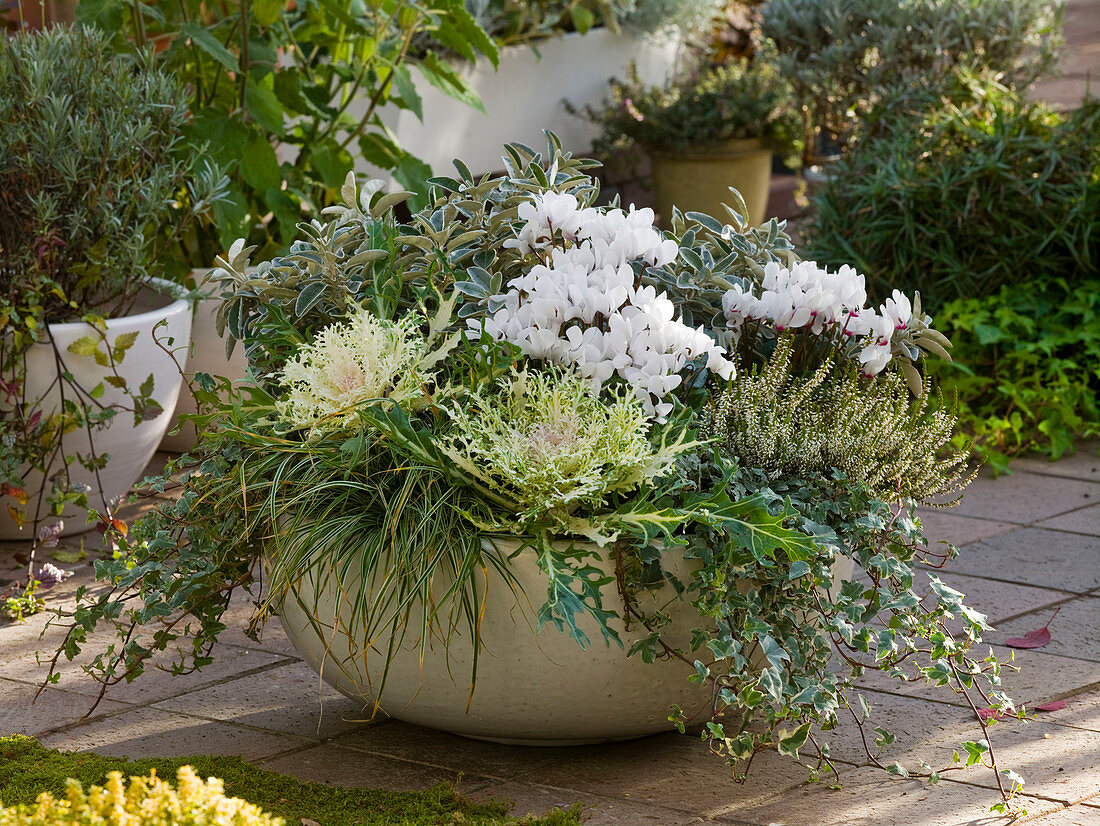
[(532, 688)]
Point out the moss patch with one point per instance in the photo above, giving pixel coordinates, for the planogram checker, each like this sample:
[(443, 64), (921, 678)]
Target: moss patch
[(27, 768)]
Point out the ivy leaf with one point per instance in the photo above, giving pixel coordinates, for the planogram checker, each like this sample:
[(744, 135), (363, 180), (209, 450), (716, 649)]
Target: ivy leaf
[(772, 684), (84, 346), (1033, 639), (790, 743)]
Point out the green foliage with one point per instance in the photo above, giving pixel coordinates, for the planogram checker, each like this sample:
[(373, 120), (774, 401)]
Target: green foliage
[(870, 429), (285, 93), (93, 158), (1027, 376), (962, 197), (27, 769), (843, 56), (22, 604), (706, 105), (525, 21), (92, 153)]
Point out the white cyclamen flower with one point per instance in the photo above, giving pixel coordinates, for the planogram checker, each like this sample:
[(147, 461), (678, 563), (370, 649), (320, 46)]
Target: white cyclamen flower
[(582, 305)]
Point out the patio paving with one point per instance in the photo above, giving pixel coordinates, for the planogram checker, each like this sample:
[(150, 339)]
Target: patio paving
[(1031, 545)]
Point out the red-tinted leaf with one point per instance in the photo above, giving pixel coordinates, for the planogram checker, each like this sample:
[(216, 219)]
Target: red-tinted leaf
[(1053, 705), (992, 714), (1033, 639)]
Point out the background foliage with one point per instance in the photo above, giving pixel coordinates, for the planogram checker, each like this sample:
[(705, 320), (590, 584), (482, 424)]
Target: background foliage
[(844, 56), (1027, 367), (961, 194), (286, 92)]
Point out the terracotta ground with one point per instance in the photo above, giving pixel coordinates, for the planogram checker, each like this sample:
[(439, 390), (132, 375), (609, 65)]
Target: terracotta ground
[(1031, 544)]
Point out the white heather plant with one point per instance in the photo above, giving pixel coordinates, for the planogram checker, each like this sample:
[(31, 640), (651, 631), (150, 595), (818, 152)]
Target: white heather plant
[(573, 370)]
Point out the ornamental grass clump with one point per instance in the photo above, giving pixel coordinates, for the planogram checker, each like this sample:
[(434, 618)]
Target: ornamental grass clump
[(593, 390), (959, 191)]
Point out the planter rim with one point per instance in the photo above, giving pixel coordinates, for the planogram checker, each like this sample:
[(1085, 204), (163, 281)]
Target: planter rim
[(161, 286)]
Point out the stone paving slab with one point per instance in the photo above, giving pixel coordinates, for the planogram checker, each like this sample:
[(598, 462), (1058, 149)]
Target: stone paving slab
[(1082, 464), (1069, 631), (599, 810), (289, 698), (149, 732), (1024, 497), (673, 771), (870, 796), (1073, 816), (1033, 556), (336, 766), (1000, 600), (23, 647), (1083, 520), (403, 741), (948, 526), (1041, 677), (22, 713)]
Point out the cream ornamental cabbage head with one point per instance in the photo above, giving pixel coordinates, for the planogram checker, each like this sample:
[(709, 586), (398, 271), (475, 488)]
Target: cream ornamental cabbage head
[(546, 443), (348, 364)]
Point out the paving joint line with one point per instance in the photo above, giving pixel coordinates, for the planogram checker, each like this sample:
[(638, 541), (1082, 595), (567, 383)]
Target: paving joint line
[(1055, 604)]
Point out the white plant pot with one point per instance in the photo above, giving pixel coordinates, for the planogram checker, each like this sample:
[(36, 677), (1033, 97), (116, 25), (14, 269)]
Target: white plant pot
[(207, 355), (523, 97), (130, 448), (533, 689)]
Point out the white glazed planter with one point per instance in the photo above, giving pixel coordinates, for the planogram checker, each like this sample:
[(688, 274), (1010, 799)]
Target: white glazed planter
[(533, 689), (130, 448), (207, 355), (523, 97)]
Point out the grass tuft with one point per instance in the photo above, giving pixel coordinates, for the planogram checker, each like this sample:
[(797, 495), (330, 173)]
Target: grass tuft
[(27, 768)]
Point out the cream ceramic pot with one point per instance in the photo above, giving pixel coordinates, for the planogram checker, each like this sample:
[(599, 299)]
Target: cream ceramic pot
[(532, 688), (130, 447), (538, 689), (207, 355)]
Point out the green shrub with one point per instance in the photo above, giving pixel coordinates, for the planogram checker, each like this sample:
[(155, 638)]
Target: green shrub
[(1026, 369), (90, 159), (27, 769), (978, 190), (705, 105), (147, 800), (843, 56)]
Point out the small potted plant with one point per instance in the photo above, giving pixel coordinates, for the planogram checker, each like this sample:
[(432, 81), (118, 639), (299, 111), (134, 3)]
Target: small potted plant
[(712, 128), (92, 160), (522, 429)]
